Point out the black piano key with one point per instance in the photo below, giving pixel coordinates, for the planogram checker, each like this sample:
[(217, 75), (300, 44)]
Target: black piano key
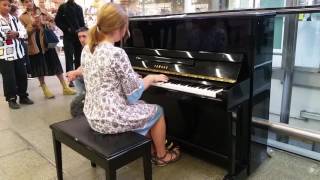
[(212, 88), (202, 86)]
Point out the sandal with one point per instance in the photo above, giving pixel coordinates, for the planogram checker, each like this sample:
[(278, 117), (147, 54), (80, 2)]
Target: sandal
[(169, 146), (174, 156)]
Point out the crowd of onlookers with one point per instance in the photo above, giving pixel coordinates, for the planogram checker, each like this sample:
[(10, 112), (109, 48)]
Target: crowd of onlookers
[(24, 49)]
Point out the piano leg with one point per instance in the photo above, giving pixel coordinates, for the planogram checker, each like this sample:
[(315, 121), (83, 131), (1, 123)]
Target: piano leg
[(232, 130), (236, 170)]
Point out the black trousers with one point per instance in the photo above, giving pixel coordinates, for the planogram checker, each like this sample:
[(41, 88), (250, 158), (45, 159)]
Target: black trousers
[(14, 77), (72, 51)]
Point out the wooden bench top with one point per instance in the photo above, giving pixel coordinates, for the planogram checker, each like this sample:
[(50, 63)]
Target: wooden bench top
[(106, 145)]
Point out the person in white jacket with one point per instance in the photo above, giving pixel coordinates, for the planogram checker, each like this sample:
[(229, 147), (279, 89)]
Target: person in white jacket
[(12, 68)]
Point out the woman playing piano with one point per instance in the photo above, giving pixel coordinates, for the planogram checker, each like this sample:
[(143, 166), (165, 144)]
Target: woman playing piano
[(113, 89)]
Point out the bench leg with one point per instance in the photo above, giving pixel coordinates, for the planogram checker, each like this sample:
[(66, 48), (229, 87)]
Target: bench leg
[(147, 166), (58, 157), (93, 164), (111, 174)]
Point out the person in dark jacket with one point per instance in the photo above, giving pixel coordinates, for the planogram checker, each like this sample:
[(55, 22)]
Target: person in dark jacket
[(69, 19)]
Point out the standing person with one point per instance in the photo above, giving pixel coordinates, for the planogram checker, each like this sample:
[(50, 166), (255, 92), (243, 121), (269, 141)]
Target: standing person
[(14, 12), (69, 18), (113, 89), (43, 61), (12, 68)]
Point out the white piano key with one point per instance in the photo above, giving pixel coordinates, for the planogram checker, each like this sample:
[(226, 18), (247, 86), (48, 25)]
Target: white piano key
[(189, 89)]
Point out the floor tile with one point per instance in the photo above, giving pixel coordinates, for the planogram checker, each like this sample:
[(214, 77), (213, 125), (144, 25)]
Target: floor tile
[(10, 143), (27, 165), (3, 176), (4, 124)]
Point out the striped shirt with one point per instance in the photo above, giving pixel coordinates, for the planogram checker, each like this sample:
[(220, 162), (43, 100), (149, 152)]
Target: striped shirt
[(11, 49)]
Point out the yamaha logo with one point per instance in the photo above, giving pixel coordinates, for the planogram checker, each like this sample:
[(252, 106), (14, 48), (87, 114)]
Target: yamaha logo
[(158, 66)]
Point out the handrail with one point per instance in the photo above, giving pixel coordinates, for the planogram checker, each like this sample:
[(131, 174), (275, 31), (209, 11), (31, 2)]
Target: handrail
[(283, 128)]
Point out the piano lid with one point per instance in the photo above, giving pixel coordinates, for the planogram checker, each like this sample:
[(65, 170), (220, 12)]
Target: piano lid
[(222, 67), (227, 13)]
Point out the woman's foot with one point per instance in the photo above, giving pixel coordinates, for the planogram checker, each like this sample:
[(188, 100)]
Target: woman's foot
[(66, 89), (169, 146), (170, 156), (69, 91), (46, 92)]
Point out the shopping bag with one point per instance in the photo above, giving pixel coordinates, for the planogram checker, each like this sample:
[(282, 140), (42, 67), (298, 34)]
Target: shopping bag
[(50, 38)]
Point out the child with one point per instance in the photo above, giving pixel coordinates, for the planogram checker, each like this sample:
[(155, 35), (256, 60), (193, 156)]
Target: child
[(113, 88)]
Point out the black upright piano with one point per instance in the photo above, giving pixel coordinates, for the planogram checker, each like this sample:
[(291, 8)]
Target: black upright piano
[(219, 65)]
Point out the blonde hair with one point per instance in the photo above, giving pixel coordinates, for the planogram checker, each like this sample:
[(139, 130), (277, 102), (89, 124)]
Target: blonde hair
[(110, 18)]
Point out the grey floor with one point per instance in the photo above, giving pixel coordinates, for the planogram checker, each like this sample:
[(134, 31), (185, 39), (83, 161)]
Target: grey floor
[(26, 151)]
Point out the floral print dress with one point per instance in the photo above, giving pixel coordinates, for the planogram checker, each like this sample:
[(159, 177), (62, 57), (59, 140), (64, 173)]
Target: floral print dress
[(112, 91)]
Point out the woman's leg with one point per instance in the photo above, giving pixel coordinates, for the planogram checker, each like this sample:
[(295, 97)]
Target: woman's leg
[(41, 80), (60, 77), (153, 149), (47, 93), (158, 134), (66, 89)]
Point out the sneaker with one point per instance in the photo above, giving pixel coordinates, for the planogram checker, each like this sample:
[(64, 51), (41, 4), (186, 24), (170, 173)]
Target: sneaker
[(13, 105), (26, 100), (30, 77)]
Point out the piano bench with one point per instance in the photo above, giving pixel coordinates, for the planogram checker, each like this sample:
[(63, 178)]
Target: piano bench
[(108, 151)]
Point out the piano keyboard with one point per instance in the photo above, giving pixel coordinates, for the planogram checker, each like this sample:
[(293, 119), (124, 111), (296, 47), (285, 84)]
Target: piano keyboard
[(189, 89)]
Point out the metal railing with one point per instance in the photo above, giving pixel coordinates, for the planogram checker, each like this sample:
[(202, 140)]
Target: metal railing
[(286, 129)]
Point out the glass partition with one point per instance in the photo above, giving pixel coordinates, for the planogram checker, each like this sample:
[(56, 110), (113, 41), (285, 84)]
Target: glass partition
[(304, 111)]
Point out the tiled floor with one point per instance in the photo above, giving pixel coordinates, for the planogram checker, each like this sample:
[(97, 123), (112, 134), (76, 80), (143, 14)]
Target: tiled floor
[(26, 151)]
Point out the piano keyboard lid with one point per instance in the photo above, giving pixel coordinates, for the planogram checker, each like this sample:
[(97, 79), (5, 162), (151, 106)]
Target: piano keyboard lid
[(222, 67)]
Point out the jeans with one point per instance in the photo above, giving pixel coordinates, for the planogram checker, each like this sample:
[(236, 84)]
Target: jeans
[(79, 85)]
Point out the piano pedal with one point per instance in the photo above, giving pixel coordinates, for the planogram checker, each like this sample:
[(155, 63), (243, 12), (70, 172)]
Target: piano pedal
[(169, 144), (270, 152)]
